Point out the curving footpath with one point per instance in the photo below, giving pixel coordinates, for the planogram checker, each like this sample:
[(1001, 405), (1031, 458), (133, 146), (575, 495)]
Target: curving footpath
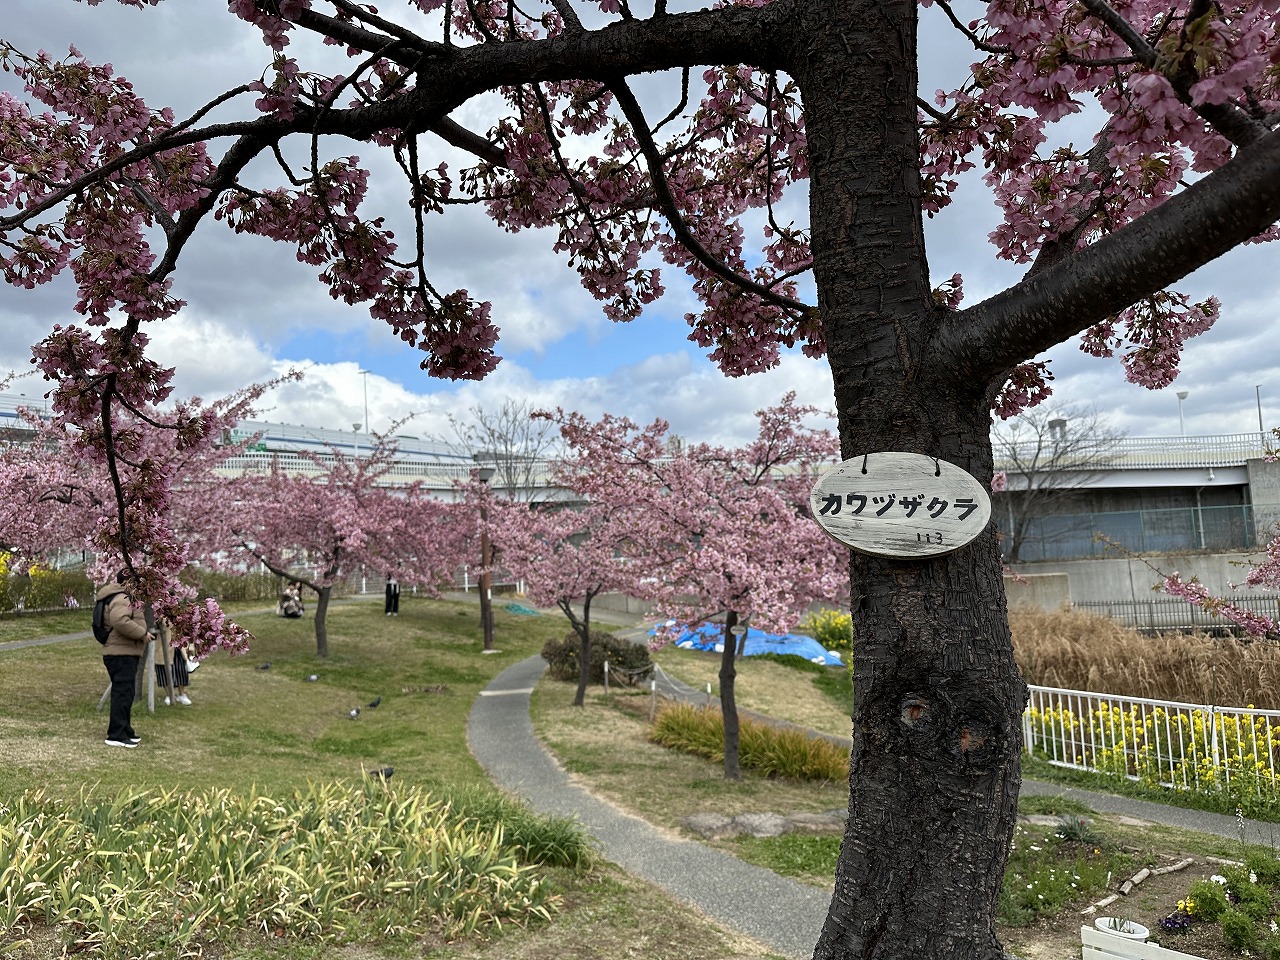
[(783, 915)]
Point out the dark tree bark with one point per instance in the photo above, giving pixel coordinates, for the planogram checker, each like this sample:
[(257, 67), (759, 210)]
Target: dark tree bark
[(934, 771), (322, 625), (728, 707), (583, 628)]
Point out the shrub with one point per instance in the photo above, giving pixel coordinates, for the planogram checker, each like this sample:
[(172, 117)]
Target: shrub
[(1265, 868), (772, 751), (233, 586), (548, 840), (158, 872), (37, 587), (1210, 900), (627, 660), (831, 628), (1237, 930)]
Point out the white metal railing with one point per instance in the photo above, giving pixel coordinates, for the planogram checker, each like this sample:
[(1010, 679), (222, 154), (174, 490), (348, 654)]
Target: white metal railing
[(1185, 746)]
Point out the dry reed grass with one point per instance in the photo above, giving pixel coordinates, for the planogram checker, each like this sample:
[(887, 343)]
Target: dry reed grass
[(1081, 651)]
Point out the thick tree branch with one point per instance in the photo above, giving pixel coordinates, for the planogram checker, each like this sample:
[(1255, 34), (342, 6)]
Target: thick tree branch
[(1221, 211), (568, 15), (369, 40), (236, 159), (1059, 248)]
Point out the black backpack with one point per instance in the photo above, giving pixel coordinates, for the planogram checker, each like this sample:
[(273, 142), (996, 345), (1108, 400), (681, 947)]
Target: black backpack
[(100, 629)]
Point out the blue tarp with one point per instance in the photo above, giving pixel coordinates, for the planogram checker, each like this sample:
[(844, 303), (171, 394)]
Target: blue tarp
[(710, 636)]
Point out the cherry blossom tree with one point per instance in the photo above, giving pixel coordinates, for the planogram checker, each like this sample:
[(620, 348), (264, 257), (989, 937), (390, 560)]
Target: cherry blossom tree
[(66, 486), (719, 531), (324, 519), (770, 97), (48, 502), (568, 557)]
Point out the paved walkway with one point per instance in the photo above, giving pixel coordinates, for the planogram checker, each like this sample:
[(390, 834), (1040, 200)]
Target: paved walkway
[(782, 914)]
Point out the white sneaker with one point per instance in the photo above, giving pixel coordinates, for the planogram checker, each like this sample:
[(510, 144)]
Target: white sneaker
[(183, 699), (120, 743), (166, 701)]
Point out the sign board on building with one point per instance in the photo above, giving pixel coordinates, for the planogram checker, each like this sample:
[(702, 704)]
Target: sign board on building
[(900, 505)]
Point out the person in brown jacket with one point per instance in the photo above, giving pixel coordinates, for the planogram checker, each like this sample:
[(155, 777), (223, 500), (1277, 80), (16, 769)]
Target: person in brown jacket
[(120, 655)]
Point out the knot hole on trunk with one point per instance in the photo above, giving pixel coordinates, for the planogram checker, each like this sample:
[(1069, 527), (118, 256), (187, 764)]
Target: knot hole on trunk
[(913, 710)]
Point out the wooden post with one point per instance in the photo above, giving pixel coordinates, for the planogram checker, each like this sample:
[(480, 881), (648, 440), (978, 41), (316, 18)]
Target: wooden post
[(653, 699)]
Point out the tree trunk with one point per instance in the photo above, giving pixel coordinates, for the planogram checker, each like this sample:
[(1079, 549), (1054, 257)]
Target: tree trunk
[(322, 629), (584, 653), (934, 770), (728, 708)]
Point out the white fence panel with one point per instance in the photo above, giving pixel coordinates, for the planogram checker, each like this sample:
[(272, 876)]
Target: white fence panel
[(1185, 746), (1096, 945)]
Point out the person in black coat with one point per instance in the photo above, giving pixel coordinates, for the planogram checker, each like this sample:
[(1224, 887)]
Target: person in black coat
[(392, 607)]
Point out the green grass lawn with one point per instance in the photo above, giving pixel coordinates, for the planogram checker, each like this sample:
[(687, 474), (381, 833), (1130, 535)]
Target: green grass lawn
[(273, 730), (270, 727)]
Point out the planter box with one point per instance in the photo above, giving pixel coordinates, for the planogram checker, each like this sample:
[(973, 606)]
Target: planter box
[(1096, 945)]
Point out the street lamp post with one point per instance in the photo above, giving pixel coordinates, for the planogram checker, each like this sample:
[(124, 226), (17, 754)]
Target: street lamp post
[(1182, 395), (355, 436), (484, 474), (365, 375)]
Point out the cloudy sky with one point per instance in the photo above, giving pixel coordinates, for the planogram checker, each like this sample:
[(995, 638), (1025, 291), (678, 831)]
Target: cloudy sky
[(254, 312)]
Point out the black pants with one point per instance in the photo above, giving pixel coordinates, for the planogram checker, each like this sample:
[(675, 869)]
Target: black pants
[(123, 671)]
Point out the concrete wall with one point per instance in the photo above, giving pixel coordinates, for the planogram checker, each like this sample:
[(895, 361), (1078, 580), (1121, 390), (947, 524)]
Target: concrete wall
[(621, 603), (1264, 490), (1131, 579), (1043, 591)]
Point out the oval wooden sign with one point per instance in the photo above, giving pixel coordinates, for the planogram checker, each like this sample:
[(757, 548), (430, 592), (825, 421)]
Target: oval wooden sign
[(900, 505)]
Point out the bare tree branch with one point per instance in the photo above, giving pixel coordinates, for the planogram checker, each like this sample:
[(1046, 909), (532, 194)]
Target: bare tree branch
[(662, 191), (977, 41)]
